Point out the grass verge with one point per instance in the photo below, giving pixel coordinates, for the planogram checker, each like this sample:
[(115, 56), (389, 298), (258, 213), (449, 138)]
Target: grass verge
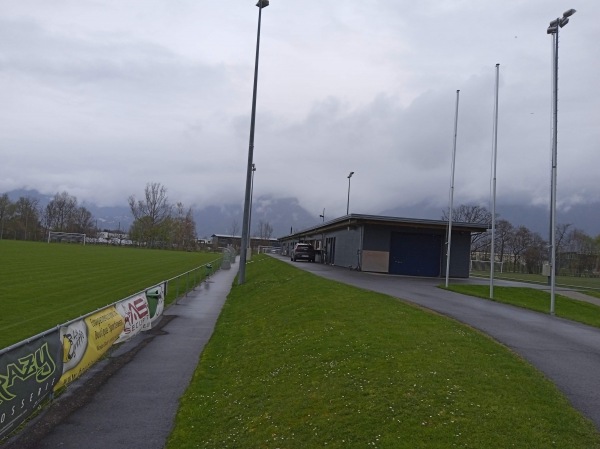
[(563, 281), (44, 285), (297, 361), (538, 300)]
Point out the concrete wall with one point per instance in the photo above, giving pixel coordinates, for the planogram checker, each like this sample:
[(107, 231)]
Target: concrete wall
[(376, 249), (460, 255), (347, 244)]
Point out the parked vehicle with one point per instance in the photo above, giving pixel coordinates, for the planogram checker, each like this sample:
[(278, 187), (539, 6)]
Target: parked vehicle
[(303, 251)]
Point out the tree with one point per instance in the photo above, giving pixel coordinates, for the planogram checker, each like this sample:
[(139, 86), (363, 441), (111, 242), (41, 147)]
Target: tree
[(82, 221), (265, 230), (518, 243), (581, 252), (504, 230), (26, 216), (63, 214), (235, 226), (151, 215), (19, 220), (5, 204), (471, 214), (184, 228), (59, 212), (535, 254)]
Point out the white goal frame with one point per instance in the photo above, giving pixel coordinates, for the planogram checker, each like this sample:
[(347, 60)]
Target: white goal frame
[(68, 236), (485, 265)]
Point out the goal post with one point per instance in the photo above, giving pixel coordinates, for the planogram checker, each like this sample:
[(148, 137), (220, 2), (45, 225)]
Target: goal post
[(67, 237), (485, 265)]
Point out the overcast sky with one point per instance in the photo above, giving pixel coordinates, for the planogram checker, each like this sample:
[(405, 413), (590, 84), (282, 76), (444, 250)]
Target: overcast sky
[(99, 98)]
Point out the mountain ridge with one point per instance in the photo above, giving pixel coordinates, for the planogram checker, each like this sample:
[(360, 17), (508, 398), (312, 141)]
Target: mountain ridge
[(286, 215)]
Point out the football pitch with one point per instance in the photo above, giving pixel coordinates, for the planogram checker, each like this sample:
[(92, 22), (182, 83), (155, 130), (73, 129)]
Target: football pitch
[(43, 285)]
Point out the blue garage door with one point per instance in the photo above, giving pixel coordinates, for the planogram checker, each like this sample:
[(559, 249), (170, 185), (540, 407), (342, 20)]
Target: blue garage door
[(415, 254)]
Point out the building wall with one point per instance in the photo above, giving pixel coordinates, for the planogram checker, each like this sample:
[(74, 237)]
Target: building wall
[(347, 244), (377, 241), (376, 249), (370, 247), (460, 255)]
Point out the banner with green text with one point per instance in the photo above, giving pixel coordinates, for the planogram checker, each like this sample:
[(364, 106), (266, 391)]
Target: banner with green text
[(28, 374)]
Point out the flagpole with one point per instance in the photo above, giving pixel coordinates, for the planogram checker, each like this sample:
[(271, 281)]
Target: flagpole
[(449, 237)]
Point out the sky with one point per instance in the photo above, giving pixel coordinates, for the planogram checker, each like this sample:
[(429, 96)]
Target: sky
[(99, 98)]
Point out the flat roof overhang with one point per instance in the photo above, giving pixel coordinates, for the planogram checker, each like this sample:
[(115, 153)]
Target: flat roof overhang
[(396, 222)]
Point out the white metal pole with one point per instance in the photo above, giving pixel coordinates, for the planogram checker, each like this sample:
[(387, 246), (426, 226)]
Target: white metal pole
[(494, 160), (554, 177), (449, 237)]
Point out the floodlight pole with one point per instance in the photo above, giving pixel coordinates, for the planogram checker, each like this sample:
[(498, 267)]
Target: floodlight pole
[(246, 220), (348, 203), (494, 159), (553, 29), (449, 237), (250, 210)]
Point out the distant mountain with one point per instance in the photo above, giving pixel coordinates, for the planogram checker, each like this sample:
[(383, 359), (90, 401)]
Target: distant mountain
[(14, 195), (282, 214), (285, 214), (537, 218), (111, 218)]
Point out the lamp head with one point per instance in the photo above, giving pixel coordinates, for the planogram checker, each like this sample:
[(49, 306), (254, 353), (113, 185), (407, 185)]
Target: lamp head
[(262, 3), (569, 13), (350, 175)]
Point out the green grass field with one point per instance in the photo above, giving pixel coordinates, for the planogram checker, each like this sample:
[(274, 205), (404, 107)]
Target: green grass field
[(43, 285), (297, 361), (538, 300), (564, 281)]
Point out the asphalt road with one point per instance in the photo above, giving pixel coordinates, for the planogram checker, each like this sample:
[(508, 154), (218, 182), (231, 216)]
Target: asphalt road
[(568, 353)]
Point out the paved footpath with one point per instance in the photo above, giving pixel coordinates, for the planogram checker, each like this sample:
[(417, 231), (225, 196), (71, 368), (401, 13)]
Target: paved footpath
[(130, 400), (568, 353)]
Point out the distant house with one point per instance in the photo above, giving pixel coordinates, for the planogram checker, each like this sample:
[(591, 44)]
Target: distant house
[(405, 246)]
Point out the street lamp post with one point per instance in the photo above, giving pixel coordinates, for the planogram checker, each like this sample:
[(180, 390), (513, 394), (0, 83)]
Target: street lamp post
[(250, 211), (348, 203), (246, 220), (555, 25), (323, 216)]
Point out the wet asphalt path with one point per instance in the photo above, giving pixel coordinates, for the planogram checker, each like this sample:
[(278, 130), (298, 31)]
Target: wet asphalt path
[(568, 353)]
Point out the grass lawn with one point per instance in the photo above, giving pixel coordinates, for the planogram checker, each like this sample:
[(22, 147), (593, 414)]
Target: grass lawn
[(297, 361), (592, 293), (563, 281), (44, 285), (537, 300)]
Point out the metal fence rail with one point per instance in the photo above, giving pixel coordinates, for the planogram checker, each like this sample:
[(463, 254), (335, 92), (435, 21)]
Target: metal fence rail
[(179, 286), (183, 284)]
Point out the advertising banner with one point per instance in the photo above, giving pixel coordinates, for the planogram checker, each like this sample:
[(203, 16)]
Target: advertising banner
[(156, 302), (85, 341), (136, 316), (28, 374)]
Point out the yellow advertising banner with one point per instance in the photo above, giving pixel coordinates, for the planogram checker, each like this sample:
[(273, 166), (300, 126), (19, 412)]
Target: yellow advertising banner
[(86, 341)]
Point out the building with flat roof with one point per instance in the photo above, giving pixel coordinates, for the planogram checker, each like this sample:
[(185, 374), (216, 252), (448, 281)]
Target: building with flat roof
[(224, 240), (394, 245)]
